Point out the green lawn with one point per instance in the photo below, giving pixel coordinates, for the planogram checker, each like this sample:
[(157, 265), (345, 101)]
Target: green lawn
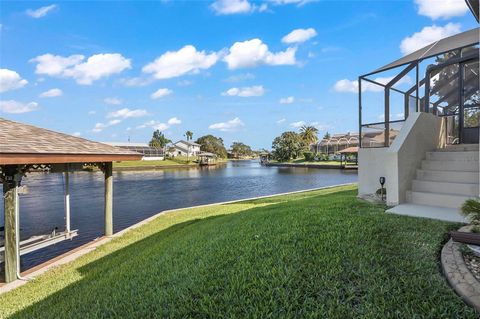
[(167, 162), (319, 254)]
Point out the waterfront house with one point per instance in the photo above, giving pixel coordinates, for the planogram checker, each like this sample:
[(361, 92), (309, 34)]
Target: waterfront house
[(185, 148), (419, 128), (149, 153), (335, 143)]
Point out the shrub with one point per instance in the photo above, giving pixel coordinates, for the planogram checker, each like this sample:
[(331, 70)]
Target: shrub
[(471, 209), (309, 156)]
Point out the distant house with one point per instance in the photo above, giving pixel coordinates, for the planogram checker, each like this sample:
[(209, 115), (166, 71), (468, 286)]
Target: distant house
[(335, 143), (149, 153), (185, 148)]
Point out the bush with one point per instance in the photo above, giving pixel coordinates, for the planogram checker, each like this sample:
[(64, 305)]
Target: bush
[(309, 156), (471, 209)]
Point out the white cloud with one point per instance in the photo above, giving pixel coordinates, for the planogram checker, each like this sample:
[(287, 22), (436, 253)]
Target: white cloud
[(95, 67), (101, 126), (257, 90), (428, 35), (126, 113), (299, 3), (160, 93), (187, 60), (287, 100), (254, 52), (112, 101), (298, 124), (232, 6), (299, 36), (346, 85), (10, 80), (228, 126), (240, 77), (77, 134), (92, 112), (445, 9), (16, 107), (156, 125), (41, 12), (136, 81), (174, 121), (184, 83), (52, 93), (280, 121)]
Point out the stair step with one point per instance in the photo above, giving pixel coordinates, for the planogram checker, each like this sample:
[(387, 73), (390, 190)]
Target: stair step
[(471, 166), (460, 147), (466, 189), (465, 156), (447, 176), (435, 199)]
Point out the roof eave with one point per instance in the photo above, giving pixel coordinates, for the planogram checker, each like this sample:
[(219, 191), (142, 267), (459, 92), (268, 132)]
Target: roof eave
[(31, 158)]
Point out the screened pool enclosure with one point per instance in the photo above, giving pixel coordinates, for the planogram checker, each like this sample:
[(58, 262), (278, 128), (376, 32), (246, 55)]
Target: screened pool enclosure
[(441, 78)]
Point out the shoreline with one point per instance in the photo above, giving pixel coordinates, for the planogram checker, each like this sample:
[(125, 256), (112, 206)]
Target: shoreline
[(326, 166)]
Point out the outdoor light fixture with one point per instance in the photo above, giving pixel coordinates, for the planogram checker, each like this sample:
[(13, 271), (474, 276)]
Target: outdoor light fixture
[(382, 183)]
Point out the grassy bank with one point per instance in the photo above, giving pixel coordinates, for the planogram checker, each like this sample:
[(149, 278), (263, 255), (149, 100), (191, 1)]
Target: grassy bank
[(314, 254), (167, 163), (164, 163)]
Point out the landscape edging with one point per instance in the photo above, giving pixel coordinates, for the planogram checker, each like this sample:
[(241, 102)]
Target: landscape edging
[(458, 275)]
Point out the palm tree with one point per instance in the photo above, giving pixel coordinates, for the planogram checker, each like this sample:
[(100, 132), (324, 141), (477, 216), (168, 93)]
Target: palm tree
[(189, 136), (309, 134)]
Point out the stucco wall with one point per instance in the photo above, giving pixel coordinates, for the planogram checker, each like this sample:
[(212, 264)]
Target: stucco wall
[(399, 162)]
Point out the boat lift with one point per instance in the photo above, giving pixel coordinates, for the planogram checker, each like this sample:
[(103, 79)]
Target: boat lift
[(37, 242)]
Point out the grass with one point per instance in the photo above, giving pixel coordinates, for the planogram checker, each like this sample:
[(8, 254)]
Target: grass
[(167, 162), (171, 162), (319, 254)]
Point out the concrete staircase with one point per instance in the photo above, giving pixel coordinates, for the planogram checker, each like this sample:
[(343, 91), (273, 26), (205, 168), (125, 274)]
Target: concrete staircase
[(446, 179)]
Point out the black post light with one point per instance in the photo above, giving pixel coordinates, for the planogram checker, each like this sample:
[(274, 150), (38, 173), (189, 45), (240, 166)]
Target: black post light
[(382, 183)]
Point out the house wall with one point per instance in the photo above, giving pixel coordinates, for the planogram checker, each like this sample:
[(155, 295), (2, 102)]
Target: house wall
[(399, 162), (194, 149)]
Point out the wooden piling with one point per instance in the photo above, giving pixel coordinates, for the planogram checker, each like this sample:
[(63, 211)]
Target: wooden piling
[(10, 202), (108, 198)]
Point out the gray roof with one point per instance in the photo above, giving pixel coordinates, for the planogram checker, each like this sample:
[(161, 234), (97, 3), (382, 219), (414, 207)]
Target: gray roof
[(19, 138), (187, 143), (457, 41)]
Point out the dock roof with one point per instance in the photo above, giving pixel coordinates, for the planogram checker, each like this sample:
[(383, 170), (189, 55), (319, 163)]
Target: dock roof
[(27, 144)]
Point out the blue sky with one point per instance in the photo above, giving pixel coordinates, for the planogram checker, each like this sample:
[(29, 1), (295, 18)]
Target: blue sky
[(242, 70)]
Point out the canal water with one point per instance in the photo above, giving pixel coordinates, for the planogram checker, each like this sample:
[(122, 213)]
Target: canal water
[(141, 194)]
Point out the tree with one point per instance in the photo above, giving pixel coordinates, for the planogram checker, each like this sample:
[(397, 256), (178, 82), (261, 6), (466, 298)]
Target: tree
[(240, 149), (212, 144), (326, 136), (189, 135), (309, 134), (287, 146), (159, 140)]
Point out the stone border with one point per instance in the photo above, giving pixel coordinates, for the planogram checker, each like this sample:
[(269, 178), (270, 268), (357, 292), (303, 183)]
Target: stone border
[(88, 247), (458, 275)]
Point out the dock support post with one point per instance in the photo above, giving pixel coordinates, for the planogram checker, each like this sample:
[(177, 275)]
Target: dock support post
[(10, 198), (67, 199), (108, 199)]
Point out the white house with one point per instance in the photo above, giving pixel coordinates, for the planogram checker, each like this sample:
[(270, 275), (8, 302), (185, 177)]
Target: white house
[(186, 148), (419, 121)]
